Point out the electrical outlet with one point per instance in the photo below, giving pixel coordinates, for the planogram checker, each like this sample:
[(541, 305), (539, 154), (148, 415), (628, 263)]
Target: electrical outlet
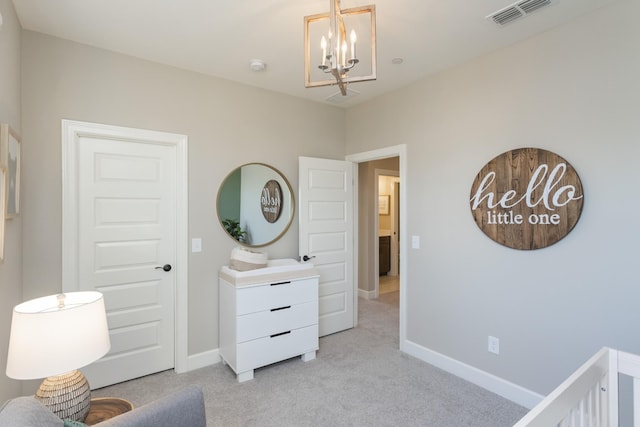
[(494, 345)]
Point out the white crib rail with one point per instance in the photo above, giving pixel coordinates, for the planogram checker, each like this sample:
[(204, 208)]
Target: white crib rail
[(629, 364), (592, 410), (588, 398)]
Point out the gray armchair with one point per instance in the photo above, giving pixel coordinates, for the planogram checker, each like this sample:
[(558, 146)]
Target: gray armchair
[(182, 408)]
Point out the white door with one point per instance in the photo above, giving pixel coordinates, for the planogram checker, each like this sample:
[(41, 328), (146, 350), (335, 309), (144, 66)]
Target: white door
[(326, 235), (395, 228), (125, 192)]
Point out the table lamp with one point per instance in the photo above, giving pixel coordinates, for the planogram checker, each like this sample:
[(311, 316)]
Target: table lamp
[(54, 336)]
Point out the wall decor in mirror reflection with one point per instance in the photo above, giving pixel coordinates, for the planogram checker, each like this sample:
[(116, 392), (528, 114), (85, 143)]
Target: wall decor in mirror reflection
[(271, 201), (255, 204)]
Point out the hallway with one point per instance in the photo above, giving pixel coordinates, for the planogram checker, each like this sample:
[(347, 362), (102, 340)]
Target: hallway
[(388, 284)]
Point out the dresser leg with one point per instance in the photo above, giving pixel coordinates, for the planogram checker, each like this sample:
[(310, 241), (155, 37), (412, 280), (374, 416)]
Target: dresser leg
[(245, 376), (308, 356)]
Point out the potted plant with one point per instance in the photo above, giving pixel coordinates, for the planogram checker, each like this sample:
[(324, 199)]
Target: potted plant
[(232, 227)]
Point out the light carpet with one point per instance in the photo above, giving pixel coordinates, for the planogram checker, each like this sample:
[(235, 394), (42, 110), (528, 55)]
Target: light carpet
[(359, 378)]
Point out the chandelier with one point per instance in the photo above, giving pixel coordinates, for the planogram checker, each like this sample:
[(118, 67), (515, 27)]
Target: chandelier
[(335, 60)]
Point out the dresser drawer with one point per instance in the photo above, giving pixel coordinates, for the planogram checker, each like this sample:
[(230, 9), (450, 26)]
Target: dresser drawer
[(252, 299), (265, 323), (264, 351)]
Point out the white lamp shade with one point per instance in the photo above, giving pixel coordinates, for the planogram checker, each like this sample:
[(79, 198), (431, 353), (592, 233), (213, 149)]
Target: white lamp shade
[(49, 340)]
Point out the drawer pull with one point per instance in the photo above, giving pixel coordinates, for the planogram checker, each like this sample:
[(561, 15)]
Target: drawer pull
[(281, 308), (281, 333), (280, 283)]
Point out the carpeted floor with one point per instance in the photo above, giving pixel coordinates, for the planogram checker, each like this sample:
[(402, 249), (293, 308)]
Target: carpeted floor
[(359, 378)]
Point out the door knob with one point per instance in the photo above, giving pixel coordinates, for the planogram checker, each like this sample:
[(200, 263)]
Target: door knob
[(166, 267), (307, 258)]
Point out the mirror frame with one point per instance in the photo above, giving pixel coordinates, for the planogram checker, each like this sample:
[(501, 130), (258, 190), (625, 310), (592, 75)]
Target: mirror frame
[(291, 194)]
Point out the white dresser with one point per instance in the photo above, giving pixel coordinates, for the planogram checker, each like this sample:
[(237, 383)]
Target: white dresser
[(268, 315)]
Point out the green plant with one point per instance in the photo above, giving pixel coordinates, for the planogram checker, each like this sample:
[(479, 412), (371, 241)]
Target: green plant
[(232, 227)]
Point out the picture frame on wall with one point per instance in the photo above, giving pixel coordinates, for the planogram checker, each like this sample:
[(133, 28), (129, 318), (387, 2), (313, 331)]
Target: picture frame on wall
[(383, 205), (10, 153), (3, 208)]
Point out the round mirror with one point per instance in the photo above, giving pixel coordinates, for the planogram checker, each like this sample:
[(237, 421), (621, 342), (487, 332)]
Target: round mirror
[(255, 204)]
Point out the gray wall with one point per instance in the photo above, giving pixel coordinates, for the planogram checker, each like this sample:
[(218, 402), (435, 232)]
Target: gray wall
[(227, 125), (11, 268), (574, 91)]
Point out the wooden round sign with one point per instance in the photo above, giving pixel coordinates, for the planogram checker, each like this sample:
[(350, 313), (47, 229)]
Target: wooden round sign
[(527, 198), (271, 201)]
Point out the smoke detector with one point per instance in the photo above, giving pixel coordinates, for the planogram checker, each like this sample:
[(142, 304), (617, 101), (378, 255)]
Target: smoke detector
[(257, 65), (518, 10)]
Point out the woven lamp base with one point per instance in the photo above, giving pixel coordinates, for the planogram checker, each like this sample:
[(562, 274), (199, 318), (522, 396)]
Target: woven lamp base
[(68, 395)]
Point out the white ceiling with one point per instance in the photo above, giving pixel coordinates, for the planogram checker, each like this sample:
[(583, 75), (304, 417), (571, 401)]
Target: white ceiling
[(219, 38)]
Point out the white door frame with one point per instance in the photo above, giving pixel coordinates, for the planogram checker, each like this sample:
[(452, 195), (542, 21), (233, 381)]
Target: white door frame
[(367, 156), (71, 131)]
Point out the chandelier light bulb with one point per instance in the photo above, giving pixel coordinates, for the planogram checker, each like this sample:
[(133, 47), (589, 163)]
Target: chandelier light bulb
[(354, 38), (344, 52), (323, 45)]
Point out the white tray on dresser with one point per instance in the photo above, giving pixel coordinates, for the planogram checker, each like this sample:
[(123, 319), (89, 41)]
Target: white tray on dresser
[(268, 315)]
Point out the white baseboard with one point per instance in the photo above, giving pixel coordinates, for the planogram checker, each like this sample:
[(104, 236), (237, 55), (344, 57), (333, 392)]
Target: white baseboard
[(366, 294), (497, 385), (202, 360)]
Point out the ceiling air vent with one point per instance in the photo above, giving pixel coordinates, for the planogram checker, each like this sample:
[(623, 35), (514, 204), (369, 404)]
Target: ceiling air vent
[(517, 10)]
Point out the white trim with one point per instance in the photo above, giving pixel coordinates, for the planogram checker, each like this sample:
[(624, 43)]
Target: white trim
[(354, 241), (367, 294), (69, 202), (497, 385), (182, 254), (375, 270), (71, 130), (204, 359), (384, 153), (380, 153)]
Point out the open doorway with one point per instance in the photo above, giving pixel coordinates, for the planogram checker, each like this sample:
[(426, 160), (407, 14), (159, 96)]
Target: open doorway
[(386, 214), (382, 308), (367, 245), (378, 224)]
